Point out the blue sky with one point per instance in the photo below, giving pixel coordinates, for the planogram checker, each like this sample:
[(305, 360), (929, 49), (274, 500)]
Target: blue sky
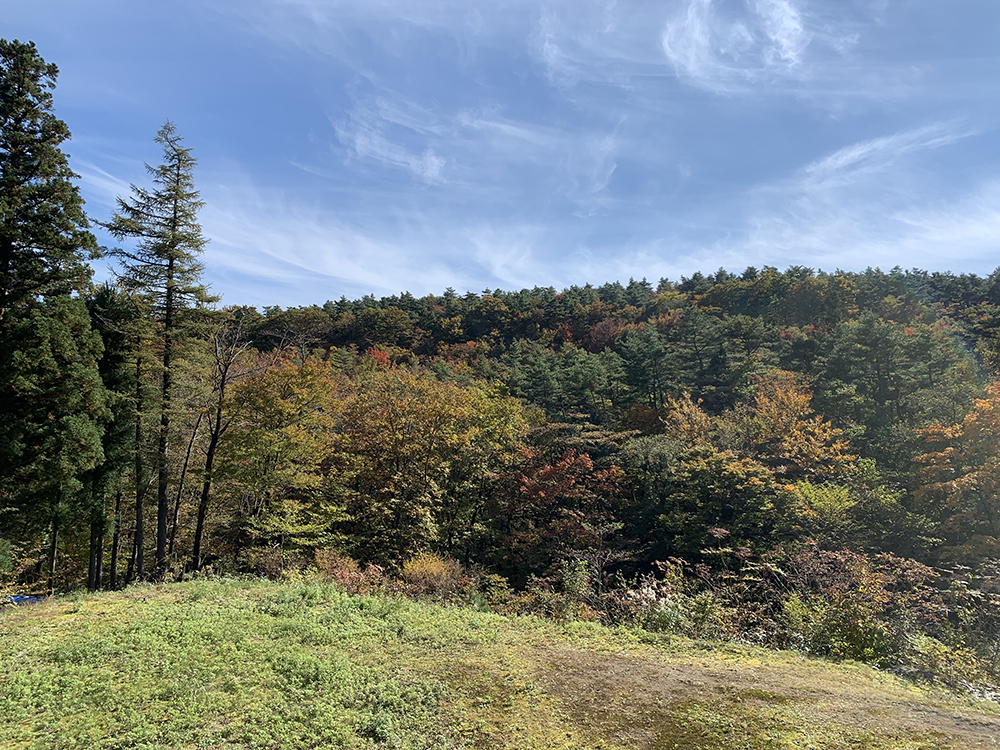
[(375, 146)]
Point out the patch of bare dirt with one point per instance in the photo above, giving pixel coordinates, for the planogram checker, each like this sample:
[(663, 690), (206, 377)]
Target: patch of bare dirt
[(625, 697)]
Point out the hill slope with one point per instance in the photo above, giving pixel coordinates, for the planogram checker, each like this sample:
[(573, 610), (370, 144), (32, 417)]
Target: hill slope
[(261, 665)]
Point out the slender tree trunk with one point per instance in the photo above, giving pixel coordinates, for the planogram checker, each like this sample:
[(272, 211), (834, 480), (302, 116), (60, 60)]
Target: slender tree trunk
[(95, 567), (206, 487), (162, 502), (136, 564), (130, 571), (180, 487), (92, 579), (163, 470), (92, 546), (53, 546), (116, 542), (99, 573)]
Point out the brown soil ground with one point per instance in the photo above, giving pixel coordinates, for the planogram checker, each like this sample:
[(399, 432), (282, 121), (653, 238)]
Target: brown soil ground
[(644, 701)]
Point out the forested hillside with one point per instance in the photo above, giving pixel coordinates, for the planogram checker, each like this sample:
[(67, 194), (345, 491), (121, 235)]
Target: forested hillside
[(845, 408), (790, 444)]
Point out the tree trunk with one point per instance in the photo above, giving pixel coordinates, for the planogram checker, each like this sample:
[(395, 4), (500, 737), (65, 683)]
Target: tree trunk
[(130, 570), (163, 471), (95, 568), (180, 487), (162, 502), (92, 579), (99, 572), (206, 487), (137, 564), (53, 546), (116, 542)]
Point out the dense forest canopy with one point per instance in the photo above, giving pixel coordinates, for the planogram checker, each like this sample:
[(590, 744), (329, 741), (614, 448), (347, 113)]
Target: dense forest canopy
[(149, 431)]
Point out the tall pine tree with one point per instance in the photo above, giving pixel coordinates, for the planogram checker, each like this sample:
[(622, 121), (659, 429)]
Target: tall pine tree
[(163, 264)]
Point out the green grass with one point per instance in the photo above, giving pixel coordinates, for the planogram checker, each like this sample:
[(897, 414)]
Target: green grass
[(241, 664)]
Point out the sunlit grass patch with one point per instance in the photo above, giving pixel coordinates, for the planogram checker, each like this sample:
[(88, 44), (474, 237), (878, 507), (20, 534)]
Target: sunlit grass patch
[(253, 664)]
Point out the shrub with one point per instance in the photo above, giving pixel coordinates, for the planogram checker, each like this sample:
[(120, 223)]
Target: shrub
[(568, 595), (338, 568), (432, 576), (271, 562), (495, 589)]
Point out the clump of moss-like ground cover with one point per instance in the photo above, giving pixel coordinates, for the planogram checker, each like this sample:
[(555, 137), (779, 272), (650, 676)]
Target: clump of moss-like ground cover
[(253, 664)]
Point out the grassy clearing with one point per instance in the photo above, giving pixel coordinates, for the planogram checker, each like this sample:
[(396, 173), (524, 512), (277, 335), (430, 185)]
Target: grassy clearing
[(239, 664)]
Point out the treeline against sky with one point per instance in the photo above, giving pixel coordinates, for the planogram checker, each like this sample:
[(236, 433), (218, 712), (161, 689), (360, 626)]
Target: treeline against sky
[(149, 431), (846, 408)]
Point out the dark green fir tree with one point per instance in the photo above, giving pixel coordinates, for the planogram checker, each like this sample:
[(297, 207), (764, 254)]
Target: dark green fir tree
[(52, 401)]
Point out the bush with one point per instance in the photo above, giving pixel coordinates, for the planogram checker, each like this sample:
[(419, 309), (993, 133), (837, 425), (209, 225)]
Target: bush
[(568, 595), (881, 609), (338, 568), (273, 562), (495, 589), (435, 577)]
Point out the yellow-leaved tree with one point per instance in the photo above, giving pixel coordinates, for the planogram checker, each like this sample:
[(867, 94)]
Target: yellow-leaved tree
[(281, 468), (778, 428), (423, 453)]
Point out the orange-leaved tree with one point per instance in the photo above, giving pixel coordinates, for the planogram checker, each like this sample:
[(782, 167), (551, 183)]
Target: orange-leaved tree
[(548, 510), (960, 480)]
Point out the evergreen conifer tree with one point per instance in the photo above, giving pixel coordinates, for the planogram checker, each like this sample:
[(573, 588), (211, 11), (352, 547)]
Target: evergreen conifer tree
[(43, 230), (52, 400), (115, 319)]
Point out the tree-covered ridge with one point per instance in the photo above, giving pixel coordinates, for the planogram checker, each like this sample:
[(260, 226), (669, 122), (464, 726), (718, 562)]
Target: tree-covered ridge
[(514, 430), (880, 351)]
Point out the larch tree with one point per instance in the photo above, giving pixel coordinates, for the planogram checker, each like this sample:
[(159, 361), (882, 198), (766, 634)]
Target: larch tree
[(52, 401), (163, 264)]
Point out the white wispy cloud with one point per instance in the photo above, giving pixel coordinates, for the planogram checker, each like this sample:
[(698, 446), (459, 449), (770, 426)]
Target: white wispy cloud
[(875, 202), (859, 205), (305, 253), (480, 154), (725, 52), (323, 27), (365, 140), (880, 153), (470, 143), (784, 46), (783, 27), (289, 253), (724, 46), (102, 187), (509, 253)]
